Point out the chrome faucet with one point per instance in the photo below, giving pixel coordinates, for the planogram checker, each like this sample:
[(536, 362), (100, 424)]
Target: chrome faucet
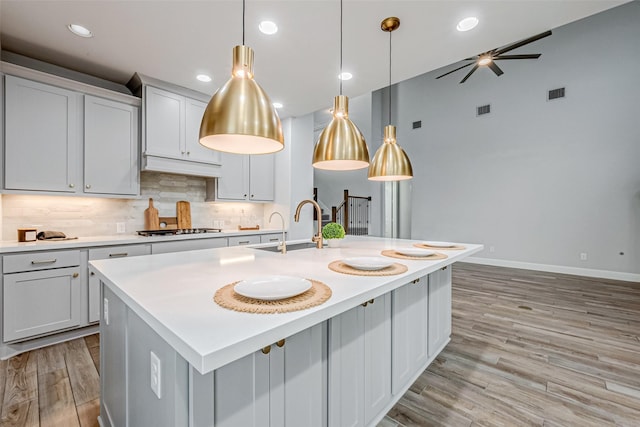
[(282, 246), (318, 237)]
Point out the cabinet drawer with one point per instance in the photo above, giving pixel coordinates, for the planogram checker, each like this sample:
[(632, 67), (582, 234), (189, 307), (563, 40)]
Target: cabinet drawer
[(244, 240), (187, 245), (40, 302), (33, 261), (271, 238), (119, 251)]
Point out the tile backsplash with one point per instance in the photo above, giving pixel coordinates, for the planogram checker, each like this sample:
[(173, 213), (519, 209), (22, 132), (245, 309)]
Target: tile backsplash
[(93, 216)]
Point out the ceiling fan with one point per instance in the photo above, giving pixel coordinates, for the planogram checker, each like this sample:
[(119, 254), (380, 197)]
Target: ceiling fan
[(487, 59)]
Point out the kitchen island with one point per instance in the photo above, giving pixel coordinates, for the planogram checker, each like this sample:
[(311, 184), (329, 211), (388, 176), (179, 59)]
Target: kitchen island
[(171, 356)]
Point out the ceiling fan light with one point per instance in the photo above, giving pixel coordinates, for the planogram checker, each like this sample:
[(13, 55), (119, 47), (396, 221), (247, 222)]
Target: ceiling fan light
[(341, 145), (390, 163), (240, 117), (485, 60)]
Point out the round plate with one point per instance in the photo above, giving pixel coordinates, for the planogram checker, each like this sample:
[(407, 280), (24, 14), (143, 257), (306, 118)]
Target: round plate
[(414, 251), (272, 287), (368, 262), (440, 244)]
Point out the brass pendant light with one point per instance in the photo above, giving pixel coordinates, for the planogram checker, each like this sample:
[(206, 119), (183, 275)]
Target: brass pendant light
[(341, 145), (240, 117), (390, 163)]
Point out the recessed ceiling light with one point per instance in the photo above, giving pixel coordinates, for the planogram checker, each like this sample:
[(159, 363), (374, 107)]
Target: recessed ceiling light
[(268, 27), (203, 78), (345, 76), (79, 30), (277, 105), (467, 24)]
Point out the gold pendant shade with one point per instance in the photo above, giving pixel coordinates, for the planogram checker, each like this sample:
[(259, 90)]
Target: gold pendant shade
[(341, 145), (240, 117), (390, 163)]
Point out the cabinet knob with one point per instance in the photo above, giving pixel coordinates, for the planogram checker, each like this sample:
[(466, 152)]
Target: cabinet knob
[(444, 268), (252, 196), (75, 275), (182, 152), (188, 153), (72, 185), (88, 186), (93, 274), (415, 281), (280, 343), (364, 304), (266, 349), (245, 195)]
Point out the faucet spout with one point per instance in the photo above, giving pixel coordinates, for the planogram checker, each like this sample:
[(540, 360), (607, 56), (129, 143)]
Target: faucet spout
[(318, 237), (282, 246)]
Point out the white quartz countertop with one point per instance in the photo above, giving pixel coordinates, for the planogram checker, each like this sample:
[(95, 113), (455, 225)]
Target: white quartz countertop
[(118, 239), (174, 292)]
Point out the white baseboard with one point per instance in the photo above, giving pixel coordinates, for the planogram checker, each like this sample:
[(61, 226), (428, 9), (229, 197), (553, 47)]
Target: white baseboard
[(587, 272)]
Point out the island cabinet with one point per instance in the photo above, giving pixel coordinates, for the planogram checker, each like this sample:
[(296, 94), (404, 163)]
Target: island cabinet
[(359, 381), (247, 178), (439, 309)]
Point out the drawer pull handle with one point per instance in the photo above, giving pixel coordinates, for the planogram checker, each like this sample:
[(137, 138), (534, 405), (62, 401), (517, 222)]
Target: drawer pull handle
[(416, 281), (280, 343), (244, 242), (118, 255), (444, 268), (266, 349), (46, 261), (75, 275), (275, 239), (364, 304)]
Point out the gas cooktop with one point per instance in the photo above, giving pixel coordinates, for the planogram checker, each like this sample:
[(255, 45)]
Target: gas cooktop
[(173, 231)]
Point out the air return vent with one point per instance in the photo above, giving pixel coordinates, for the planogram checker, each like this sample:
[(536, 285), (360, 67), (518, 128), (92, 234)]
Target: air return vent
[(555, 94), (417, 125), (483, 109)]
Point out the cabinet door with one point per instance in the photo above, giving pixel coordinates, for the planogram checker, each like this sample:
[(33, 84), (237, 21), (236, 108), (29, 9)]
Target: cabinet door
[(165, 116), (39, 302), (261, 178), (233, 183), (439, 309), (41, 136), (195, 151), (410, 308), (241, 392), (110, 147)]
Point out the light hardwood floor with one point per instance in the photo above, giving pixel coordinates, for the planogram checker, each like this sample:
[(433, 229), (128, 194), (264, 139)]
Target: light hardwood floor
[(528, 348)]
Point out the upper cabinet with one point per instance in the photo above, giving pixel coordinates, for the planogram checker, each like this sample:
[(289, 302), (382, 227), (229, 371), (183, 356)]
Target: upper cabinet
[(246, 178), (61, 139)]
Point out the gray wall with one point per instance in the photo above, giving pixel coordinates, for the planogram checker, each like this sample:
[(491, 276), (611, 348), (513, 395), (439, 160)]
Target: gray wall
[(538, 181)]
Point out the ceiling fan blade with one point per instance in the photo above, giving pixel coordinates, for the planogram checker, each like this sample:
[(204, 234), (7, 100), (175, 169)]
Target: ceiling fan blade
[(453, 71), (495, 68), (523, 42), (475, 67), (530, 56)]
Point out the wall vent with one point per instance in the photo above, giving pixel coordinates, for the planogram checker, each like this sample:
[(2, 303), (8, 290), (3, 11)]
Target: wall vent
[(417, 125), (483, 109), (555, 94)]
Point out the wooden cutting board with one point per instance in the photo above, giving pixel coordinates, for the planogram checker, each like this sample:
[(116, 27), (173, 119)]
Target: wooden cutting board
[(183, 212), (151, 219)]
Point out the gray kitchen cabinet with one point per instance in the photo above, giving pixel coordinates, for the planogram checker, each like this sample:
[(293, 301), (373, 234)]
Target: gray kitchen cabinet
[(247, 178), (110, 252), (359, 384), (172, 131), (188, 245), (42, 125), (41, 293), (410, 316), (253, 239), (110, 147), (439, 309), (271, 238)]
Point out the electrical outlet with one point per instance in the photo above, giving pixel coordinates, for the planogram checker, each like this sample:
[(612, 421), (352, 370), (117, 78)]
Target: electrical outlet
[(156, 374), (492, 249), (105, 311), (583, 256), (120, 227)]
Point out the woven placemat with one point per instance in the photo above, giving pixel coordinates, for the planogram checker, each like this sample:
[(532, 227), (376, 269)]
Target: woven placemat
[(393, 254), (439, 248), (393, 269), (226, 297)]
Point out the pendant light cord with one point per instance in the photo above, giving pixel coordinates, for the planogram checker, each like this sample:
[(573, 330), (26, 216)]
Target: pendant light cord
[(390, 76), (243, 9), (340, 77)]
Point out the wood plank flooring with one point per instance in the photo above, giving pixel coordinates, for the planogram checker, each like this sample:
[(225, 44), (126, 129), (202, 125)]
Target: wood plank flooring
[(532, 348), (528, 348)]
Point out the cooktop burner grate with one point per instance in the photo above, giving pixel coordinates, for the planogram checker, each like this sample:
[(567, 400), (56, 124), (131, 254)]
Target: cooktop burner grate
[(174, 231)]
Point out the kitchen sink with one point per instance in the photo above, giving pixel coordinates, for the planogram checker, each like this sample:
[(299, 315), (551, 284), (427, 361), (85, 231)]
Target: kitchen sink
[(290, 247)]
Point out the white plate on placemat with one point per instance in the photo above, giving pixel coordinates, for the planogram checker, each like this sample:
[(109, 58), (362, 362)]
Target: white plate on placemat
[(368, 262), (440, 244), (414, 252), (272, 287)]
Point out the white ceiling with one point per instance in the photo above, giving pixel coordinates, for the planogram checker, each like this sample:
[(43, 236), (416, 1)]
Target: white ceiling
[(175, 40)]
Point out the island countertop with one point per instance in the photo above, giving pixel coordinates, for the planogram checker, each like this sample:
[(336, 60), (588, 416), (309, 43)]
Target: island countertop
[(173, 293)]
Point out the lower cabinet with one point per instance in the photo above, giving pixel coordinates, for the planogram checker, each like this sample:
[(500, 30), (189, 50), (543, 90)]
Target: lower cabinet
[(439, 309), (188, 245), (244, 240), (359, 384)]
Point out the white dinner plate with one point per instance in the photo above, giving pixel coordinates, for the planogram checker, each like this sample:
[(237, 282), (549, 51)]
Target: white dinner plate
[(272, 287), (440, 244), (368, 262), (414, 251)]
